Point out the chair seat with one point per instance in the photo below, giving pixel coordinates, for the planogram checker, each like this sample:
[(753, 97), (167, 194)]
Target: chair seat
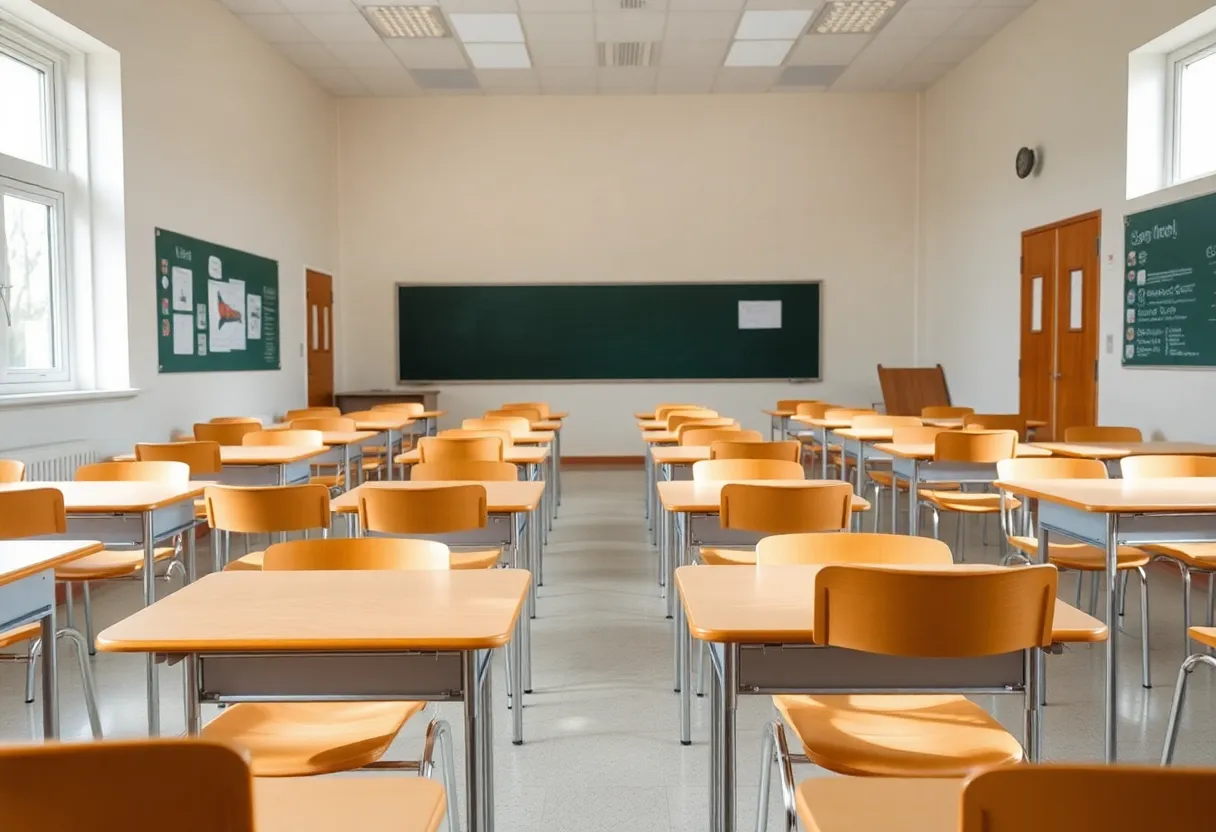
[(1204, 635), (967, 501), (479, 559), (17, 635), (884, 479), (1081, 556), (293, 739), (251, 562), (898, 736), (713, 556), (111, 563), (1194, 555), (327, 480)]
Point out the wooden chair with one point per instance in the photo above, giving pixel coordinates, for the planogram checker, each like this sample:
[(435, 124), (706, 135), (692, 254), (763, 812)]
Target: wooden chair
[(883, 480), (459, 433), (301, 739), (1166, 465), (540, 407), (813, 410), (515, 425), (974, 446), (741, 448), (689, 415), (272, 509), (1078, 557), (682, 425), (778, 509), (11, 470), (465, 471), (235, 420), (661, 411), (856, 548), (203, 458), (1205, 636), (747, 469), (460, 449), (444, 509), (698, 436), (804, 433), (945, 412), (792, 404), (174, 472), (997, 421), (307, 438), (1102, 433), (872, 421), (311, 413), (529, 413), (224, 433), (957, 614), (324, 423), (31, 513), (342, 554)]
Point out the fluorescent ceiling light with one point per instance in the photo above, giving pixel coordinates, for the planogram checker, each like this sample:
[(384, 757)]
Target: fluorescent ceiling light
[(782, 25), (498, 55), (758, 52), (407, 21), (853, 17), (488, 28)]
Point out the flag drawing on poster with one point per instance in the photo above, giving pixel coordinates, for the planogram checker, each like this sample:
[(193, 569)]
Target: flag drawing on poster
[(183, 334), (253, 312), (226, 315), (183, 289)]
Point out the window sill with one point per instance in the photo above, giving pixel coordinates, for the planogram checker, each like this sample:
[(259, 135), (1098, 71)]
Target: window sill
[(11, 401)]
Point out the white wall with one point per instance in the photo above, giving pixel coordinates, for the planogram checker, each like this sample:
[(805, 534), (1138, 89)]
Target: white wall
[(1056, 78), (224, 140), (633, 189)]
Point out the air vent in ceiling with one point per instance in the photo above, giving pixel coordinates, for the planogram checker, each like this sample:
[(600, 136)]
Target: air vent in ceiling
[(631, 53), (633, 4)]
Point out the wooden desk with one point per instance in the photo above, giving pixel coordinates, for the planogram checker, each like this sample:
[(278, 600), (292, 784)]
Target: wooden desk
[(530, 455), (131, 514), (262, 464), (705, 496), (880, 804), (27, 594), (366, 804), (384, 424), (367, 399), (502, 497), (678, 454), (1031, 424), (652, 424), (743, 619), (777, 423), (342, 636), (1114, 451), (1112, 513), (825, 426)]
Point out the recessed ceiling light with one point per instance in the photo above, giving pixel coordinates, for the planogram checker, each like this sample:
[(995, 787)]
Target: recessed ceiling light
[(758, 52), (779, 25), (488, 28), (407, 21), (498, 55), (853, 17)]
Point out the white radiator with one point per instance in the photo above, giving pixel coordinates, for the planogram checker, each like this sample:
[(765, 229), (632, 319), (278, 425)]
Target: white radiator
[(55, 462)]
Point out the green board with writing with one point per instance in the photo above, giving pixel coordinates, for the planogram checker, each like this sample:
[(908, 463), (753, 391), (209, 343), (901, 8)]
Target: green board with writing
[(1169, 286), (217, 309)]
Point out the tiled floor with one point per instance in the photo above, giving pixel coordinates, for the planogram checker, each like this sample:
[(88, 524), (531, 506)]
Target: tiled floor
[(601, 749)]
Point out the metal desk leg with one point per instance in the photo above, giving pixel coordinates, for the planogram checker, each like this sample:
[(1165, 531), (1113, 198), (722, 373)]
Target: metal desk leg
[(388, 455), (715, 732), (515, 668), (348, 481), (685, 650), (473, 767), (913, 499), (1112, 638), (50, 676), (861, 466), (664, 553), (151, 670), (189, 546), (725, 723), (194, 721), (557, 466), (487, 742), (823, 453), (1031, 734), (673, 608), (521, 558)]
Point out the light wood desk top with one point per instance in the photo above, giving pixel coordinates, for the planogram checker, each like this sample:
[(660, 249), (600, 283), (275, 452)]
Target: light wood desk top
[(705, 496), (1119, 450), (1166, 495), (957, 422), (258, 454), (784, 414), (357, 610), (678, 454), (547, 424), (115, 497), (644, 417), (22, 558), (830, 424), (775, 605), (366, 804), (559, 414), (653, 424), (501, 497), (866, 434), (517, 455), (880, 804), (378, 424), (535, 437), (659, 437), (925, 451)]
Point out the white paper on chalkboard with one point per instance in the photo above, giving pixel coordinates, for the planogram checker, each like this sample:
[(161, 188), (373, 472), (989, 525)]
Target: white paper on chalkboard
[(183, 335), (759, 314)]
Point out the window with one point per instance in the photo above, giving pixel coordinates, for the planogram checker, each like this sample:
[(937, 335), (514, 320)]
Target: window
[(1191, 118), (35, 348)]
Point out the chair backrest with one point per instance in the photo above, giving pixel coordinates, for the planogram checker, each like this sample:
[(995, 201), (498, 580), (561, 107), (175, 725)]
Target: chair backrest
[(349, 553), (409, 408), (737, 448), (746, 469), (1102, 433), (1061, 798), (957, 614), (680, 425), (202, 457), (792, 404), (924, 435), (458, 433), (529, 413), (460, 448), (438, 510), (12, 470), (1154, 466), (882, 420), (780, 509), (813, 410), (1051, 468), (514, 425), (938, 411), (982, 446), (364, 415), (661, 411), (688, 415), (540, 407), (177, 473), (265, 509), (845, 413), (235, 420), (332, 423), (464, 471), (702, 436), (311, 413), (306, 438), (224, 433), (858, 547), (110, 781), (997, 421), (30, 512)]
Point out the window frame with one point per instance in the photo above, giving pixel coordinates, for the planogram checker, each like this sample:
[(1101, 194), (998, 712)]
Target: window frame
[(1176, 64)]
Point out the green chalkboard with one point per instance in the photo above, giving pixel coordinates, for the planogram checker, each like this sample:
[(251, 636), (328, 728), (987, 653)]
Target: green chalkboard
[(1169, 294), (608, 331), (217, 309)]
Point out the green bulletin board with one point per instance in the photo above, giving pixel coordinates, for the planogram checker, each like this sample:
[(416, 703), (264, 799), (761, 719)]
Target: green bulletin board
[(1169, 300), (217, 309)]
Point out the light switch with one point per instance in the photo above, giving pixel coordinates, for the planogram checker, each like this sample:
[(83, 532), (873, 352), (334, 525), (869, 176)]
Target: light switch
[(1110, 344)]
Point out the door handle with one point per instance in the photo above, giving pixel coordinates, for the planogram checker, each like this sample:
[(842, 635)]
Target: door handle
[(1057, 376)]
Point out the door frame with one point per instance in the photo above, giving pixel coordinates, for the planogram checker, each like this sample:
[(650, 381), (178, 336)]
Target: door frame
[(333, 325)]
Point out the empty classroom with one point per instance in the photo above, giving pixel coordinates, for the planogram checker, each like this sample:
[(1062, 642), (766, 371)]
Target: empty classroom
[(607, 415)]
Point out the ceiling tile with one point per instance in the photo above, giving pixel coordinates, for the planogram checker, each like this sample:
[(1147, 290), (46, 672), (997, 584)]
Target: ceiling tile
[(386, 81), (615, 77), (620, 27), (317, 6), (255, 6), (568, 79), (559, 26), (810, 76), (279, 28), (772, 25), (487, 28), (921, 23), (694, 53), (445, 79), (985, 21), (686, 79), (339, 28), (828, 49), (338, 80), (478, 5), (562, 53), (782, 5), (950, 50), (498, 55), (515, 79), (556, 5), (635, 5), (428, 53), (731, 79), (308, 54), (701, 25), (706, 5), (758, 52), (364, 54), (943, 4)]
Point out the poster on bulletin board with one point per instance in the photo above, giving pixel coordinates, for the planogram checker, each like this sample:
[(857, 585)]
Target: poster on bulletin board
[(217, 308)]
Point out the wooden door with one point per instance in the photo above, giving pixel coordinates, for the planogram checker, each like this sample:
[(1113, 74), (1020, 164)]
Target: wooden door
[(1038, 310), (319, 295)]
